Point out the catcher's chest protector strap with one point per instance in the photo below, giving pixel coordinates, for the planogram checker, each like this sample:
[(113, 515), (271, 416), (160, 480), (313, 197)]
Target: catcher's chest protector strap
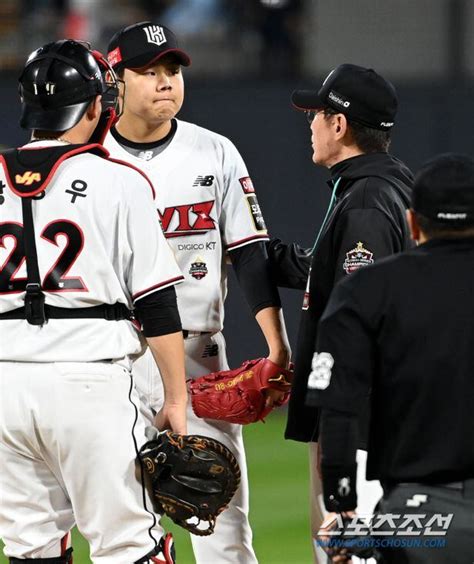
[(164, 553), (28, 173)]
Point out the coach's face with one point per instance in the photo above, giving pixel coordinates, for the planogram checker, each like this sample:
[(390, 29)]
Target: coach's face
[(327, 137), (156, 93)]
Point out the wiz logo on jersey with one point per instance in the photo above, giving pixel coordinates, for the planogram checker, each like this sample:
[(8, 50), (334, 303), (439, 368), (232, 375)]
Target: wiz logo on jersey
[(187, 219)]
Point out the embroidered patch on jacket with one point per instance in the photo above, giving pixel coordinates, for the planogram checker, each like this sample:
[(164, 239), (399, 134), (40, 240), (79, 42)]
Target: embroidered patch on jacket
[(357, 257)]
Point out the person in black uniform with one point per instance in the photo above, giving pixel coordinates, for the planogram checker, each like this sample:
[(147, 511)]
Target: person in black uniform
[(403, 331), (351, 120)]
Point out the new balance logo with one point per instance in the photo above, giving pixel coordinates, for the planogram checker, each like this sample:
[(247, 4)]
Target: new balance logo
[(210, 350), (28, 178), (155, 34), (204, 181), (145, 155)]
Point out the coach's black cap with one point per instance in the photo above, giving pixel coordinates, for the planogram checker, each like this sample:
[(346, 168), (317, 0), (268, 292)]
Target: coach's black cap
[(359, 93), (140, 45), (444, 189)]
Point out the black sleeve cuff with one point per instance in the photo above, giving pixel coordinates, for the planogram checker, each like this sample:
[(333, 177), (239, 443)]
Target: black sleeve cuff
[(158, 313), (339, 487), (252, 269), (338, 439)]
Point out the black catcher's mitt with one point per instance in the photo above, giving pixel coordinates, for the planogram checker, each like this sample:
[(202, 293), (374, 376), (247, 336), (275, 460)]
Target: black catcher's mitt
[(191, 478)]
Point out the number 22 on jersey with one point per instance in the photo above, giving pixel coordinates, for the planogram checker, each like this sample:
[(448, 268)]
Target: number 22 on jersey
[(55, 279)]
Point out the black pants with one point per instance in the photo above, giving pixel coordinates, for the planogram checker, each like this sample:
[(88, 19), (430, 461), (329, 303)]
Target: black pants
[(405, 500)]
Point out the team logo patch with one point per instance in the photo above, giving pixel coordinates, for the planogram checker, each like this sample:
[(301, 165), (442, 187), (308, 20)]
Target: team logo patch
[(155, 34), (114, 57), (198, 269), (358, 257), (28, 178), (204, 180), (321, 366), (256, 213), (247, 185)]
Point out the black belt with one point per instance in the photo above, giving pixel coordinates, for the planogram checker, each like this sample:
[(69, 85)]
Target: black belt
[(459, 486), (111, 312), (186, 333)]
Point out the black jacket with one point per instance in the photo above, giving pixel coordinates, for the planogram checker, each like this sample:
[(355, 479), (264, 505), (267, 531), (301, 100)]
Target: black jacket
[(367, 222), (404, 329)]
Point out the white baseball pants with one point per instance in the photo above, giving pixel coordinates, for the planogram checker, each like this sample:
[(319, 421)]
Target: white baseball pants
[(231, 542), (69, 434)]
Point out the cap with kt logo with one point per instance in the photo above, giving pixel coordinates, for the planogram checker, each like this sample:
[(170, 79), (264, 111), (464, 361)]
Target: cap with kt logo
[(142, 44)]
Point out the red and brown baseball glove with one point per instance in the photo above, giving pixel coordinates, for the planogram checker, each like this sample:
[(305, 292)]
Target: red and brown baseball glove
[(239, 395)]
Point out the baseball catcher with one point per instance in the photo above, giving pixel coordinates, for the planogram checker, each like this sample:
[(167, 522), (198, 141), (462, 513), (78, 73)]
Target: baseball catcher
[(190, 478), (241, 395)]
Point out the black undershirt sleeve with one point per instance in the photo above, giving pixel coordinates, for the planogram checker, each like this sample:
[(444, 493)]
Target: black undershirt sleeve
[(338, 438), (252, 269), (158, 313)]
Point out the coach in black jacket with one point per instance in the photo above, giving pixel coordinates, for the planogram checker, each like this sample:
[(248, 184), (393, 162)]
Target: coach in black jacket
[(404, 328), (351, 118)]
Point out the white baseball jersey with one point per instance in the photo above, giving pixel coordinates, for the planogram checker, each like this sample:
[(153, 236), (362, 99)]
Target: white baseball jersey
[(207, 205), (90, 204)]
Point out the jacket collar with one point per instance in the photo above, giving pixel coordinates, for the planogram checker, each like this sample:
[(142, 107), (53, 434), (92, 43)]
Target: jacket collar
[(348, 167)]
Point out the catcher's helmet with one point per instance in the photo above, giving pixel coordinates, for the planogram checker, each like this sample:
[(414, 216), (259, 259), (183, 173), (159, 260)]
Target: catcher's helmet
[(59, 82)]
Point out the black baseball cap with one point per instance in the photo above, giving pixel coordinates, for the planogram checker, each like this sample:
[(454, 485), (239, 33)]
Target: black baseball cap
[(141, 44), (359, 93), (444, 189)]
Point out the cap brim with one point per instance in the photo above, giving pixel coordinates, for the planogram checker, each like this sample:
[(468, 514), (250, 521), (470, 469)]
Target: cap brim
[(57, 119), (307, 100), (148, 59)]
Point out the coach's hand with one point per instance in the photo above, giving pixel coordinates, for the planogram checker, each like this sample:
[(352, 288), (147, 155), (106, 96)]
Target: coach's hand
[(336, 554), (172, 416)]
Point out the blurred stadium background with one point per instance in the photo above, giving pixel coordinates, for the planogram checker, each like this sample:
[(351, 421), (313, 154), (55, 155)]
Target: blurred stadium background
[(248, 56)]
